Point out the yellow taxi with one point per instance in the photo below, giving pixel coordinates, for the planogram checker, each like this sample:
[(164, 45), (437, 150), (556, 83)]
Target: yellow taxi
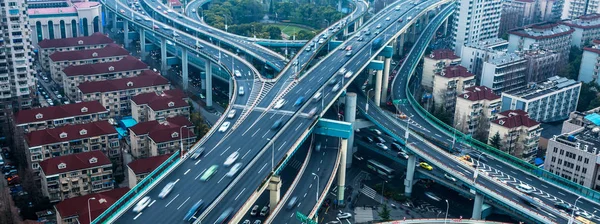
[(426, 166)]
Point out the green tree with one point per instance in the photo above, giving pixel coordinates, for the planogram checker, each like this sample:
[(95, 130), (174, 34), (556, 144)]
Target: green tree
[(200, 127), (588, 97), (443, 115), (495, 140), (384, 214), (274, 32), (304, 35)]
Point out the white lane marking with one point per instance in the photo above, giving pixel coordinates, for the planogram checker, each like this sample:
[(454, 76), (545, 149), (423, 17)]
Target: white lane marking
[(196, 163), (281, 146), (172, 200), (529, 179), (255, 133), (544, 186), (200, 174), (310, 186), (246, 154), (318, 169), (221, 179), (151, 203), (498, 165), (265, 134), (299, 126), (186, 172), (177, 181), (138, 215), (228, 147), (262, 168), (305, 194), (460, 167), (239, 194), (438, 135), (515, 173), (183, 203), (561, 193)]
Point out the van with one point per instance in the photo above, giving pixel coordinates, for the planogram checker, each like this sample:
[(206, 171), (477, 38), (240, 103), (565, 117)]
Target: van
[(292, 203), (317, 96), (241, 91)]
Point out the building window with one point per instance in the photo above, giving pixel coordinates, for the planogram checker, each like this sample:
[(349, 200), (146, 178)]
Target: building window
[(74, 28), (63, 29), (50, 30), (38, 28), (96, 24), (85, 27)]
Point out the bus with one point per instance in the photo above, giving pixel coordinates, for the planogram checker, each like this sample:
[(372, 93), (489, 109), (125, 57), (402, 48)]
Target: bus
[(381, 169)]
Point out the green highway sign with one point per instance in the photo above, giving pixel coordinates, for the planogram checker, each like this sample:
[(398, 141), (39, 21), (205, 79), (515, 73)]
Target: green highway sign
[(304, 219)]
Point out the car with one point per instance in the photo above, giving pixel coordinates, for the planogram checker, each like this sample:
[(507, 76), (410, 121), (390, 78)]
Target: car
[(525, 188), (400, 20), (378, 26), (158, 7), (348, 74), (409, 18), (335, 88), (348, 53), (450, 178), (234, 169), (397, 8), (209, 173), (402, 155), (307, 49), (277, 124), (342, 71), (376, 32), (344, 215), (425, 165), (142, 204), (257, 222), (166, 190), (380, 139), (231, 114), (241, 91), (59, 96), (264, 211), (194, 10), (254, 210), (246, 221), (224, 216), (387, 19), (312, 112), (321, 41), (563, 206), (382, 146), (299, 101), (317, 96), (279, 104), (360, 38), (368, 139), (198, 153), (193, 210), (231, 159), (396, 147), (584, 214), (224, 126), (238, 73), (332, 82)]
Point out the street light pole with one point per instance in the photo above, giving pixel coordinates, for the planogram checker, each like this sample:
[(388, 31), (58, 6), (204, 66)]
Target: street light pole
[(573, 210), (447, 207), (89, 209), (382, 191), (454, 136), (181, 140), (317, 195), (367, 103), (272, 154)]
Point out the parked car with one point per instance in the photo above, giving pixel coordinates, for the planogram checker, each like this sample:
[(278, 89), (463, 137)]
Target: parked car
[(254, 210)]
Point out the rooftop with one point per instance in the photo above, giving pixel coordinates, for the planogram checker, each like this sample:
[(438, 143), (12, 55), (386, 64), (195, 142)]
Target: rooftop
[(72, 162), (584, 22), (147, 165), (489, 44), (502, 58), (542, 30), (593, 49), (128, 63), (441, 54), (173, 98), (586, 138), (146, 79), (475, 93), (43, 114), (110, 50), (454, 71), (534, 90), (149, 126), (94, 39), (78, 206), (515, 118), (69, 132)]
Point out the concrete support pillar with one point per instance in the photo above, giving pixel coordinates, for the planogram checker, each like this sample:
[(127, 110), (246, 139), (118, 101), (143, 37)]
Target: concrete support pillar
[(184, 68), (360, 21), (346, 32), (350, 116), (163, 56), (386, 77), (274, 190), (477, 206), (445, 26), (208, 71), (126, 33), (401, 44), (142, 43), (378, 77), (342, 171), (230, 87), (410, 173)]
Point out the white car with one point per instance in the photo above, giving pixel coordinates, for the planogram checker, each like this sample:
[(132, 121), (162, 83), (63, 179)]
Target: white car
[(141, 205), (378, 26), (525, 188), (382, 146), (344, 215), (238, 73), (231, 114), (387, 19), (231, 159), (451, 178), (402, 155), (279, 104), (348, 74), (234, 169), (224, 126), (585, 214), (166, 190), (336, 88)]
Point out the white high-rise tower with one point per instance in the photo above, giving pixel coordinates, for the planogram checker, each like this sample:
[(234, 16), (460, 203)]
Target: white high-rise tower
[(475, 20)]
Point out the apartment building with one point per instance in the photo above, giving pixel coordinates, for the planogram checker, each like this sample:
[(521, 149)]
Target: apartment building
[(450, 82), (540, 65), (548, 10), (578, 120), (49, 46), (74, 75), (61, 60), (57, 116), (435, 63), (474, 54), (586, 29), (519, 134), (516, 13), (75, 210), (548, 36), (474, 21), (572, 9), (76, 175), (477, 104), (115, 94), (590, 64), (159, 105), (503, 72), (153, 138), (140, 168), (70, 139), (547, 101)]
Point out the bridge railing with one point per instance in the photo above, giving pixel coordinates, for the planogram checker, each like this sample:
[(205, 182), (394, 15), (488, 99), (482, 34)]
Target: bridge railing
[(501, 155)]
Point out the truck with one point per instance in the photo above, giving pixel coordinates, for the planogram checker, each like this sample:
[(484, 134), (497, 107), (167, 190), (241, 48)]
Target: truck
[(377, 43)]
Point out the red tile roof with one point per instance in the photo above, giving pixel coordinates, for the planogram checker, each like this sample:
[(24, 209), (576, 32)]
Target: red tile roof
[(510, 113), (516, 120), (591, 49), (596, 41), (146, 79), (69, 132), (59, 112), (475, 93), (170, 134), (72, 162), (94, 39), (110, 50), (540, 26), (454, 71), (440, 54), (149, 126), (161, 101), (78, 206), (128, 63), (147, 165)]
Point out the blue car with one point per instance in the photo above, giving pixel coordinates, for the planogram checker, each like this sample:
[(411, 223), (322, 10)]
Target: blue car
[(299, 101), (195, 208)]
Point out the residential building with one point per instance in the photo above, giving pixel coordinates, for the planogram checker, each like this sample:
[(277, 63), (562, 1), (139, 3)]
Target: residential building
[(516, 13), (587, 29), (140, 168), (572, 9), (540, 65), (57, 116), (17, 82), (548, 10), (474, 21), (503, 72), (574, 156), (448, 83), (159, 105), (64, 18), (79, 210), (578, 120), (590, 64), (175, 5), (547, 101), (61, 60), (115, 94), (76, 175), (49, 46), (46, 144), (474, 54), (73, 75), (153, 138), (546, 35), (476, 106), (519, 134), (434, 63)]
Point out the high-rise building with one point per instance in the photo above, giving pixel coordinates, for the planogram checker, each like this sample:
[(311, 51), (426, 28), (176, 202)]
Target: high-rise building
[(476, 106), (435, 63), (572, 9), (503, 72), (547, 36), (474, 54), (475, 21), (541, 64), (587, 29), (519, 134), (17, 80), (448, 83), (516, 13), (590, 64)]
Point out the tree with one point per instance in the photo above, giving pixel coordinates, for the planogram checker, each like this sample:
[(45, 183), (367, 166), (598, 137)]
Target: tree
[(588, 97), (384, 214), (274, 32), (304, 35), (495, 140), (201, 128)]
